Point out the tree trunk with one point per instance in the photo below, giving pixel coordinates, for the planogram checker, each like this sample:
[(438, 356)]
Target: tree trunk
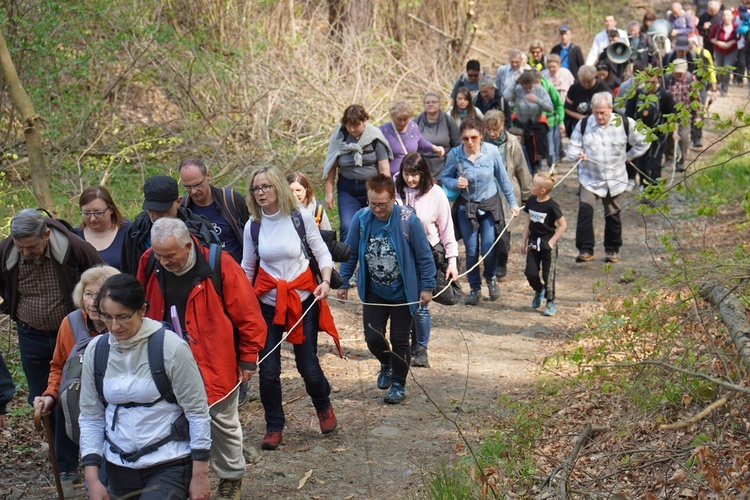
[(31, 123)]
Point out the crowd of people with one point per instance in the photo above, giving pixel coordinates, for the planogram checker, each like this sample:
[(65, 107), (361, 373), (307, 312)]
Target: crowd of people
[(204, 287)]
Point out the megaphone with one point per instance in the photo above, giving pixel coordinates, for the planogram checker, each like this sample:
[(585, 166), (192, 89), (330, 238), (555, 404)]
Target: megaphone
[(659, 31), (619, 52)]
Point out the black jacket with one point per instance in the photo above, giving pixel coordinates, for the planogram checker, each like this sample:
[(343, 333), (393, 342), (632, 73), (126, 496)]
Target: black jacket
[(137, 239), (231, 206), (575, 58)]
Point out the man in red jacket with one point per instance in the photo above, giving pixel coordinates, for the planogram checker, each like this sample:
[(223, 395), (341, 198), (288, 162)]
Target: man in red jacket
[(221, 321)]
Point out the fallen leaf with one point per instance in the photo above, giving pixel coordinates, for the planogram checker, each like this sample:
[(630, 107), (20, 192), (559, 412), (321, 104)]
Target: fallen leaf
[(678, 476), (304, 479)]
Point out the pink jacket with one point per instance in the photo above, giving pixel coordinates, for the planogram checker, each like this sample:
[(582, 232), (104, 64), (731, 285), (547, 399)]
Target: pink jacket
[(434, 211)]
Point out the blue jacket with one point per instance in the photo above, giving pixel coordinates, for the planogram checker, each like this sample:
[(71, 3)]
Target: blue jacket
[(414, 256)]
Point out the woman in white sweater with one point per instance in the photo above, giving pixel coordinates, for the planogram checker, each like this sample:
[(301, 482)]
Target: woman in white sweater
[(416, 188), (131, 425), (276, 260)]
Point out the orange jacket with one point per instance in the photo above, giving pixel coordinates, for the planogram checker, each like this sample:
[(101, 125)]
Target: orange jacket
[(225, 332), (64, 344), (289, 305)]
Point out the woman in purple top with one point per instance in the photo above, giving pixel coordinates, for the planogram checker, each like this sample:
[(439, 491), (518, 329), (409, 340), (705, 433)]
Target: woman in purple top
[(404, 136)]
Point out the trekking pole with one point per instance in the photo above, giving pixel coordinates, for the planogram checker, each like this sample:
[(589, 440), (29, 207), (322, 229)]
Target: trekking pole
[(47, 429)]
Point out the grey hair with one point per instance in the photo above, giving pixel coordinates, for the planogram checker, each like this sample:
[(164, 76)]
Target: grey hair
[(193, 162), (166, 228), (634, 24), (515, 53), (602, 98), (401, 108), (714, 3), (586, 73), (96, 275), (27, 223), (433, 94), (486, 81)]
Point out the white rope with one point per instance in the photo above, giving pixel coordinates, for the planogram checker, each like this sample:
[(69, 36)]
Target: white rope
[(286, 334)]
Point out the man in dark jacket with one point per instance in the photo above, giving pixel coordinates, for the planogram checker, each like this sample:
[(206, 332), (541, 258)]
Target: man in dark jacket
[(225, 208), (161, 199), (489, 98), (570, 54), (40, 264)]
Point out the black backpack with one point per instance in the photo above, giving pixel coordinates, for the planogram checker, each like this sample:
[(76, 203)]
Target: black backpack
[(625, 123), (180, 430), (299, 226), (70, 384)]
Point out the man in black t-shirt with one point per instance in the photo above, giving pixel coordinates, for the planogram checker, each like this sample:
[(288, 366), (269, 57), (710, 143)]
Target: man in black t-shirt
[(578, 101)]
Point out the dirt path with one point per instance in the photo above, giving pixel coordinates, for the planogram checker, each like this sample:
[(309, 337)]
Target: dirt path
[(478, 354)]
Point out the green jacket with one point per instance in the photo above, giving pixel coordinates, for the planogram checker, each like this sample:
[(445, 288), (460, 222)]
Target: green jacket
[(556, 117)]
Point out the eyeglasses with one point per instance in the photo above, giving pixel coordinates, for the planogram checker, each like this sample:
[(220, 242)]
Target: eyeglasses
[(469, 138), (194, 186), (122, 318), (265, 188), (378, 206), (89, 296), (96, 214)]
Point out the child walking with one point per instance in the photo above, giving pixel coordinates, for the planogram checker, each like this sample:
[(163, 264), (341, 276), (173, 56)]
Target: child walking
[(544, 227)]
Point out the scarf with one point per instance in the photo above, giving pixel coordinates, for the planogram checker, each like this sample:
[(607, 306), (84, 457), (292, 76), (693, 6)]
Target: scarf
[(337, 146), (289, 305)]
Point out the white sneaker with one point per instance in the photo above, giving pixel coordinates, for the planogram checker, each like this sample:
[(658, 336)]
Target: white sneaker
[(631, 185)]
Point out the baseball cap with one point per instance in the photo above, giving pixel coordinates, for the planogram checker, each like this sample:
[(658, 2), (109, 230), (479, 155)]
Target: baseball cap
[(681, 43), (159, 193), (564, 27), (680, 66)]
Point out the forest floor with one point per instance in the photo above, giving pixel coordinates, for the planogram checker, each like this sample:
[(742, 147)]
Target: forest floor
[(477, 355)]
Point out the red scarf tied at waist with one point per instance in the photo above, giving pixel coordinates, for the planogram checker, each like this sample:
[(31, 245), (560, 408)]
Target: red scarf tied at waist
[(289, 305)]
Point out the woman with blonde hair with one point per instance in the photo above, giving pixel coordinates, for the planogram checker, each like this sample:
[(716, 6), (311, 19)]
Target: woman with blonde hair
[(275, 259)]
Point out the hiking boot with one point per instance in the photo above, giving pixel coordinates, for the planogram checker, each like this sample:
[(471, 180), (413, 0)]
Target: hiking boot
[(242, 396), (384, 377), (611, 257), (493, 288), (680, 167), (68, 480), (327, 420), (420, 358), (271, 440), (230, 489), (549, 309), (473, 298), (584, 257), (537, 300), (396, 394)]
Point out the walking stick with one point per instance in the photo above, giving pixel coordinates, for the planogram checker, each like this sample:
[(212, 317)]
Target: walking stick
[(38, 418)]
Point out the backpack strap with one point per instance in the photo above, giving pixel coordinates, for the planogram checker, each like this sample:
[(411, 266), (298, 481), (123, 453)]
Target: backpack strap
[(227, 199), (101, 356), (78, 326), (156, 365), (185, 200), (214, 260)]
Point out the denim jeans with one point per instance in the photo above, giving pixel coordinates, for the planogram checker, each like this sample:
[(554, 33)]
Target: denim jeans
[(423, 325), (36, 349), (375, 318), (483, 237), (306, 358), (352, 195), (554, 142)]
